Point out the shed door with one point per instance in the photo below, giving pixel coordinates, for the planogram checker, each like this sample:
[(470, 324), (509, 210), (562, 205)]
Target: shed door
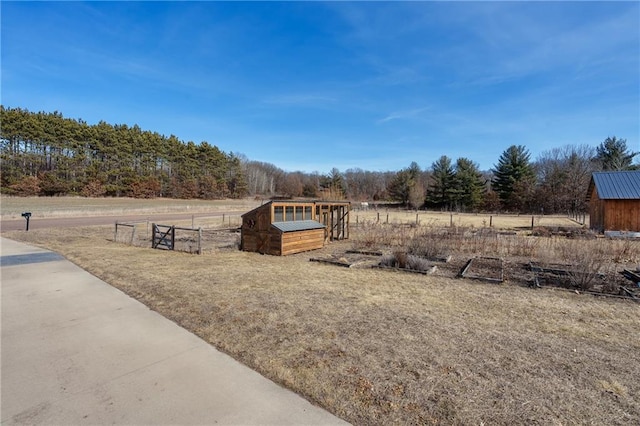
[(263, 242)]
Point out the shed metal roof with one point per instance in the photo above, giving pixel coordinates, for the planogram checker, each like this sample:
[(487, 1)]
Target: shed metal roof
[(298, 225), (621, 185)]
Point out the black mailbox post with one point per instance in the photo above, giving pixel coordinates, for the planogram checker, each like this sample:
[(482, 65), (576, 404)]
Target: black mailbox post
[(27, 215)]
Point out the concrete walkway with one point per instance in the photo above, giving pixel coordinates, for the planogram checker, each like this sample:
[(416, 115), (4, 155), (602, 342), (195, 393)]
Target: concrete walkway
[(78, 351)]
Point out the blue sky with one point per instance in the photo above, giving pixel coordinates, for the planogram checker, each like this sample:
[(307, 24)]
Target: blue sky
[(311, 86)]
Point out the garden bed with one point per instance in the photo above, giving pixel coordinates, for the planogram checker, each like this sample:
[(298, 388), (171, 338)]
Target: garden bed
[(489, 269)]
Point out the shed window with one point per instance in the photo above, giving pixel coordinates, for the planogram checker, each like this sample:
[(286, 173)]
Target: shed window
[(299, 213), (278, 214), (307, 213), (289, 213)]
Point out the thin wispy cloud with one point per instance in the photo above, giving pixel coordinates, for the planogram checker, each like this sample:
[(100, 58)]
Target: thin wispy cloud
[(381, 83), (403, 115)]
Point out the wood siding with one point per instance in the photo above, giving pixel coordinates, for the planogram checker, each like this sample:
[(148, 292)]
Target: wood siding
[(596, 212), (614, 215), (258, 234), (255, 231), (299, 241), (277, 243), (621, 215)]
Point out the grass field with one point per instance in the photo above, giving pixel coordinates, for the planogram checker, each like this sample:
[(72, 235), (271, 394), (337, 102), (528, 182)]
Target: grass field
[(48, 207), (380, 347), (444, 219)]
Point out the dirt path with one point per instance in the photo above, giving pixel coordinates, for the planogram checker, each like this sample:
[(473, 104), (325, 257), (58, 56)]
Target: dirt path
[(71, 222)]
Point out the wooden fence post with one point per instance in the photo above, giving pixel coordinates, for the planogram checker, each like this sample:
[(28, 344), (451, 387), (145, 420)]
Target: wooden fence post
[(133, 234), (199, 240)]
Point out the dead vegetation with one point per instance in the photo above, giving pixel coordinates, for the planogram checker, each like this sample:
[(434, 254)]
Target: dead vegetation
[(49, 207), (590, 263), (376, 347)]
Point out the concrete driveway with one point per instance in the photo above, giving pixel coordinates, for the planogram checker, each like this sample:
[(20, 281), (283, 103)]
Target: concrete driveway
[(77, 351)]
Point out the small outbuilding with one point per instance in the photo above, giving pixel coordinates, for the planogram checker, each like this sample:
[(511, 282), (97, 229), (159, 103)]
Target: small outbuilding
[(614, 201), (282, 227)]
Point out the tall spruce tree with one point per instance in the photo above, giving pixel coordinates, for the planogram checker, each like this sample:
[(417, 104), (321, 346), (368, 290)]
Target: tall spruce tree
[(441, 192), (514, 178), (468, 184)]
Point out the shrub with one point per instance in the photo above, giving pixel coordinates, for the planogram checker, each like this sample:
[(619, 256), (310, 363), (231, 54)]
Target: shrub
[(429, 243), (93, 188), (416, 263), (376, 236), (27, 186), (588, 262), (401, 259)]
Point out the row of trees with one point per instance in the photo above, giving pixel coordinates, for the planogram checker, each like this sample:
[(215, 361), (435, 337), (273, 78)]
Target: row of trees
[(47, 154), (556, 181)]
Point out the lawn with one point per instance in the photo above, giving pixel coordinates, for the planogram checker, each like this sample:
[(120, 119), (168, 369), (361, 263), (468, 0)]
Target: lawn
[(381, 347)]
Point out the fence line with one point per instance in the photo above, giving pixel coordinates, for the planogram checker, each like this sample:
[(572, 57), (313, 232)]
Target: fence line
[(165, 236), (131, 225)]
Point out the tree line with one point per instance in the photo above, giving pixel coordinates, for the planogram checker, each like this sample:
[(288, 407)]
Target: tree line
[(47, 154), (556, 182)]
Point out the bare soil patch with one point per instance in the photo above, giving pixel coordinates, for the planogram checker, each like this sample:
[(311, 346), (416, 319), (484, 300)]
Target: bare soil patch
[(484, 268), (376, 347)]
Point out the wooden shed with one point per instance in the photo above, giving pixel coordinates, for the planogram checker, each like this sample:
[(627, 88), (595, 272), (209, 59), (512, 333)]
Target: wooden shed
[(286, 227), (614, 201)]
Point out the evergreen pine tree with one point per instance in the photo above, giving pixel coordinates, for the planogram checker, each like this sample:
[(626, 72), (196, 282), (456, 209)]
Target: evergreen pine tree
[(613, 154), (441, 192), (468, 184), (514, 178)]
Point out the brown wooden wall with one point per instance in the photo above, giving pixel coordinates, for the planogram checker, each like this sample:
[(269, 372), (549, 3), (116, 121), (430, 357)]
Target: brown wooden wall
[(255, 231), (596, 212), (299, 241), (614, 215), (622, 215), (277, 243)]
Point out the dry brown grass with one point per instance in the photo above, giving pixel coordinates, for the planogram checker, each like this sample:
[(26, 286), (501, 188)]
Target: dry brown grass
[(379, 347), (47, 207), (465, 220)]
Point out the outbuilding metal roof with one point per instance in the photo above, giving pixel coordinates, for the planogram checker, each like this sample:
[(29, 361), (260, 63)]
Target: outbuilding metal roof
[(298, 225), (623, 185)]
